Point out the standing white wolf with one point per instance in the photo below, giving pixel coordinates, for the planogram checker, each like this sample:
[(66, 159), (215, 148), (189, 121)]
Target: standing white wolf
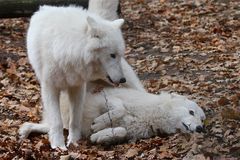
[(68, 47)]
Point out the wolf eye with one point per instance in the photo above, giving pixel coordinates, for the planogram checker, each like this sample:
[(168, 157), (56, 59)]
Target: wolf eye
[(113, 55), (96, 36), (191, 112)]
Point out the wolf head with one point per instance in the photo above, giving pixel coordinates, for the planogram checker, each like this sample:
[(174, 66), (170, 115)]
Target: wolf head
[(105, 48), (176, 112), (182, 114), (188, 114)]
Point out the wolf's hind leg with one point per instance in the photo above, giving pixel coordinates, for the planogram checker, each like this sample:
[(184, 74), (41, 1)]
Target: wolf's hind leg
[(115, 111), (51, 111), (77, 99), (109, 135)]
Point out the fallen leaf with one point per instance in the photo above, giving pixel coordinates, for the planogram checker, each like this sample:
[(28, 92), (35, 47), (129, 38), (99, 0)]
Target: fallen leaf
[(132, 152), (223, 101)]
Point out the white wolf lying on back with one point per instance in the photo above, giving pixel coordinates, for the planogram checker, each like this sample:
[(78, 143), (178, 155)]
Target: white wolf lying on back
[(121, 113), (67, 48)]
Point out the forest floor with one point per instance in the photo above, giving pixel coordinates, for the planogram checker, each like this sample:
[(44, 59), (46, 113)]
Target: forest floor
[(188, 47)]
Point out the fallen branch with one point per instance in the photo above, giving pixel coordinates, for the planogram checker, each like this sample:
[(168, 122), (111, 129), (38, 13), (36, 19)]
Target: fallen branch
[(25, 8)]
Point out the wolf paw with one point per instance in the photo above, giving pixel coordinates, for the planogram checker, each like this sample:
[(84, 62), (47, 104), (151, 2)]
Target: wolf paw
[(94, 138), (74, 136), (60, 146), (57, 140), (98, 138), (97, 126), (109, 135)]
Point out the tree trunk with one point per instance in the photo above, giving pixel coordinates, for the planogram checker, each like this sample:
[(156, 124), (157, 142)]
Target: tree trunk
[(25, 8)]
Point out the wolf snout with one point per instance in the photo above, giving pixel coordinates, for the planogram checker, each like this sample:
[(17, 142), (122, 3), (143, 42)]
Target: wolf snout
[(122, 80), (199, 129)]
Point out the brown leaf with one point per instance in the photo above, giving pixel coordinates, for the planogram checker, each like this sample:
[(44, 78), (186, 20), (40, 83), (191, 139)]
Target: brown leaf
[(12, 69), (22, 61), (22, 108), (132, 152), (165, 155), (228, 113), (65, 157), (223, 101)]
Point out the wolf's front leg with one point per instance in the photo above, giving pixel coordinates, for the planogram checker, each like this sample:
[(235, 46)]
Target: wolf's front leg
[(77, 100), (109, 135), (131, 77), (115, 111), (51, 111)]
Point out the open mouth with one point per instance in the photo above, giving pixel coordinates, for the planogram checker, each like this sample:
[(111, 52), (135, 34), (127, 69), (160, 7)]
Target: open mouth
[(110, 80), (186, 127)]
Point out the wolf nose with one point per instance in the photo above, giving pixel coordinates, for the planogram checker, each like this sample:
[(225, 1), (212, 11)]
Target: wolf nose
[(122, 80), (199, 129)]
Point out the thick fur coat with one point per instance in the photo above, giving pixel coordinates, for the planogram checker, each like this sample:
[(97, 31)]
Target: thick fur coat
[(68, 47), (118, 114)]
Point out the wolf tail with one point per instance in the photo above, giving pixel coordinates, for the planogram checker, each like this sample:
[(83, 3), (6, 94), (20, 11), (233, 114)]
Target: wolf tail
[(28, 128), (107, 9), (43, 127)]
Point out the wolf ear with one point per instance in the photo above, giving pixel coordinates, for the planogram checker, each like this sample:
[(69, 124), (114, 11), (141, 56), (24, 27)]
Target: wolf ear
[(93, 27), (118, 23), (91, 22)]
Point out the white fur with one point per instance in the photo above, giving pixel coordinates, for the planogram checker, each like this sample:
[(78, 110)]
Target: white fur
[(134, 115), (105, 8), (68, 47)]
